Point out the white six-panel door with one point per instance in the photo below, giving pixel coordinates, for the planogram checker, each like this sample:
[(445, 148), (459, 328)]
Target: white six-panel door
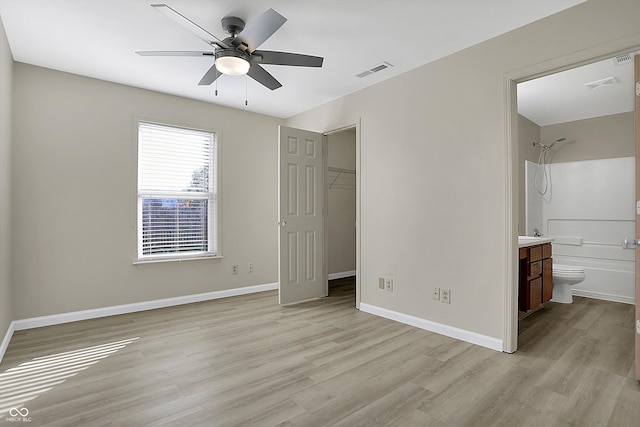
[(301, 252)]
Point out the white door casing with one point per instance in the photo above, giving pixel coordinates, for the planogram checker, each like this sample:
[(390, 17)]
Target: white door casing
[(302, 271), (637, 126)]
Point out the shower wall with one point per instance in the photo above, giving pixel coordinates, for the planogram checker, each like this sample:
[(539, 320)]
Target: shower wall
[(533, 200), (528, 133), (589, 209)]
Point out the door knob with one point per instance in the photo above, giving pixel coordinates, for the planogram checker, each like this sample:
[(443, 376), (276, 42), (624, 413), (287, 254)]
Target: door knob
[(630, 243), (282, 223)]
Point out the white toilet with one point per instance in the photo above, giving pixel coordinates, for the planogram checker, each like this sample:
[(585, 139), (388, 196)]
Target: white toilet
[(564, 276)]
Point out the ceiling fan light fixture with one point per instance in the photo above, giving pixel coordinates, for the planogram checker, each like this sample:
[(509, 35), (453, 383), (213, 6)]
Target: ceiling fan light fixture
[(232, 62)]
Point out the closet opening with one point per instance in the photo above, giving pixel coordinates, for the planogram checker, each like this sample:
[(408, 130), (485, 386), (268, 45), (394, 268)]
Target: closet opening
[(341, 202)]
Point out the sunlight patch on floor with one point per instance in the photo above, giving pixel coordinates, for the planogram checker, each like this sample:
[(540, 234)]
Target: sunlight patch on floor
[(30, 379)]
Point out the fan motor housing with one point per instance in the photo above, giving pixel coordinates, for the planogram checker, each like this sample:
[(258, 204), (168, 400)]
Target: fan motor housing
[(232, 25)]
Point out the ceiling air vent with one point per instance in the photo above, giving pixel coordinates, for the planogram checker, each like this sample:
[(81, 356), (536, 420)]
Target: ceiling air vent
[(623, 59), (609, 81), (381, 66)]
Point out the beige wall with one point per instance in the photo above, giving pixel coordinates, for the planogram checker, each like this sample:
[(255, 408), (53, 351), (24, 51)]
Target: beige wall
[(342, 204), (528, 132), (6, 311), (599, 138), (435, 165), (74, 180)]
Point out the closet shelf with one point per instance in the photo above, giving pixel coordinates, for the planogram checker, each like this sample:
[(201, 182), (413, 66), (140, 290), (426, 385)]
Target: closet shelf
[(341, 170), (340, 178)]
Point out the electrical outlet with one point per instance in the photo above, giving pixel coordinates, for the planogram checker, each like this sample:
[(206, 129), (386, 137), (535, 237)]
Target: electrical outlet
[(250, 268), (388, 285), (234, 269), (446, 296), (436, 294), (381, 282)]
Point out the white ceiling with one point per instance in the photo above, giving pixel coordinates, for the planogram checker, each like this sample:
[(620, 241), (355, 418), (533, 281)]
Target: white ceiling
[(97, 38), (563, 97)]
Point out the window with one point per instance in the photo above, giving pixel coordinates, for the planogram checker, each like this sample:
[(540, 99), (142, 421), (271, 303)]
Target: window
[(176, 192)]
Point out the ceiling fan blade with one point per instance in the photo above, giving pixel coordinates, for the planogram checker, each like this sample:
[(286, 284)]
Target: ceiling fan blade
[(174, 53), (286, 58), (260, 29), (189, 25), (263, 77), (210, 76)]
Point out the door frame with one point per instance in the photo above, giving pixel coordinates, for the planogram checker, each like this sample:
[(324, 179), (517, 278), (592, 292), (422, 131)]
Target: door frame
[(636, 79), (329, 131), (510, 81)]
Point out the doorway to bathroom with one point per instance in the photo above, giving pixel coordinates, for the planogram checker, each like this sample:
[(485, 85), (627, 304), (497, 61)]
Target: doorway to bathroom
[(577, 155), (580, 191)]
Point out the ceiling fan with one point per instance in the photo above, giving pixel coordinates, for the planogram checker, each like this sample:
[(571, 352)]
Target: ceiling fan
[(238, 53)]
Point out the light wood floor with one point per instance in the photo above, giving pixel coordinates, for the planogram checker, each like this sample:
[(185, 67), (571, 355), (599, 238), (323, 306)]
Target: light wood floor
[(246, 361)]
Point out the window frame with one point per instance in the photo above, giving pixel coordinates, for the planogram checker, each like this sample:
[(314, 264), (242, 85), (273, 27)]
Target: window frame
[(213, 196)]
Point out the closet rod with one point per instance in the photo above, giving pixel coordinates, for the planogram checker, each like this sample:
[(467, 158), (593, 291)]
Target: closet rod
[(340, 170)]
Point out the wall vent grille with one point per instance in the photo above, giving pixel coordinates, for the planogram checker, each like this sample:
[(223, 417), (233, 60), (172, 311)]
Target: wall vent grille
[(375, 69), (623, 59)]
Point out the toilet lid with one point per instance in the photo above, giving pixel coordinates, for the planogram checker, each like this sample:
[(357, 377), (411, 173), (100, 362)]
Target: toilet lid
[(562, 268)]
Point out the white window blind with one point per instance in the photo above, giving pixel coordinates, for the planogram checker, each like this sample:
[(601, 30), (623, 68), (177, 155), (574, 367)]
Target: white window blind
[(176, 192)]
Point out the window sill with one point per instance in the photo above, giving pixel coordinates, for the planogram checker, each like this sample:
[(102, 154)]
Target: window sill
[(162, 260)]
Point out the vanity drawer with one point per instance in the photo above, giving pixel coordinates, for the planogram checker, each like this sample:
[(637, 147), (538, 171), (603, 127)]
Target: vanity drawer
[(535, 253), (535, 269), (523, 253), (546, 250)]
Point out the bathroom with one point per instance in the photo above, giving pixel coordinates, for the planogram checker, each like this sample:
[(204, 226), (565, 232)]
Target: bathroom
[(577, 173)]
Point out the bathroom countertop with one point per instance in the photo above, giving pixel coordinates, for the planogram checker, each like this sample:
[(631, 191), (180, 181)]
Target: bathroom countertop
[(525, 241)]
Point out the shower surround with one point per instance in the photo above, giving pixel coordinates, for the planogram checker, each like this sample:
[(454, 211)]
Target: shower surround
[(589, 209)]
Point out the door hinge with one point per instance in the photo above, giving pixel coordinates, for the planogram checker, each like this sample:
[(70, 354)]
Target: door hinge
[(637, 88)]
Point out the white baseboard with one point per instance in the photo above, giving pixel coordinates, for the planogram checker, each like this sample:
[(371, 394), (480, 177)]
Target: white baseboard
[(55, 319), (605, 297), (7, 337), (438, 328), (334, 276)]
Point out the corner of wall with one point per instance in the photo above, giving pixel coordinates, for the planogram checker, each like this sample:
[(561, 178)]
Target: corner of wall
[(6, 83), (4, 344)]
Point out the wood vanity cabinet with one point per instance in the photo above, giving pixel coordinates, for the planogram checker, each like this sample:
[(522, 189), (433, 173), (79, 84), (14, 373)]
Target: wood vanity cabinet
[(535, 276)]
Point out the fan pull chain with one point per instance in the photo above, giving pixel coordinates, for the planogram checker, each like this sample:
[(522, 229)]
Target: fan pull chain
[(246, 91), (217, 82)]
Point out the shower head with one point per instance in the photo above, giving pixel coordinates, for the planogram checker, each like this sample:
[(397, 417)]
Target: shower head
[(548, 147), (556, 141)]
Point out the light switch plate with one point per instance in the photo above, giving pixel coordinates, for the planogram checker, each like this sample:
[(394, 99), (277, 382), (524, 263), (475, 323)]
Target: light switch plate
[(445, 295)]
